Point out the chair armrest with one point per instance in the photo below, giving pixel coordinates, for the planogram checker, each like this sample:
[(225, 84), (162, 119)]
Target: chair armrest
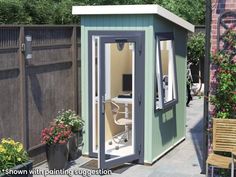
[(123, 112)]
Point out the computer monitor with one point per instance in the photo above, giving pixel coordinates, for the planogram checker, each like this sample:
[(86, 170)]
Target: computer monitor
[(127, 82)]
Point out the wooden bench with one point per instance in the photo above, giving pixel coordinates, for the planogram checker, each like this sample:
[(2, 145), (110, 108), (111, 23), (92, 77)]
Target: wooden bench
[(224, 140)]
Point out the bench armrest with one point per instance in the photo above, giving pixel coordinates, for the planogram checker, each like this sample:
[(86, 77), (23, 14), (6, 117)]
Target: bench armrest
[(234, 152)]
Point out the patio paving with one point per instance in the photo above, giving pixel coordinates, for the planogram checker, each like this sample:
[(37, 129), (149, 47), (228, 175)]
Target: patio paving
[(183, 161)]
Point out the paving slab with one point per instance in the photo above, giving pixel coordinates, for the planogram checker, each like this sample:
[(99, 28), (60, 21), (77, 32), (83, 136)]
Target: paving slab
[(183, 161)]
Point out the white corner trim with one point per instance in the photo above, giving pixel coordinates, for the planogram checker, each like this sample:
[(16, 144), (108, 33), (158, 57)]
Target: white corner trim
[(132, 9)]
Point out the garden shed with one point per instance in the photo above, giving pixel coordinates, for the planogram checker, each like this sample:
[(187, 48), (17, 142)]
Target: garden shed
[(133, 76)]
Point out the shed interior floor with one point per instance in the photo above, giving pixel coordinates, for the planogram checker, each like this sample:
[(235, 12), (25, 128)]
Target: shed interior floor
[(125, 148)]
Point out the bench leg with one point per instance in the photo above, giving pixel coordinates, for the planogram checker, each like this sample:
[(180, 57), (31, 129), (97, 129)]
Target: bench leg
[(232, 169), (212, 171), (206, 169)]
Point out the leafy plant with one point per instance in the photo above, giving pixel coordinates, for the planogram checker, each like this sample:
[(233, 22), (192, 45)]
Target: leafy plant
[(59, 11), (183, 8), (192, 11), (224, 97), (63, 14), (56, 134), (13, 12), (196, 48), (40, 11), (11, 154), (70, 118)]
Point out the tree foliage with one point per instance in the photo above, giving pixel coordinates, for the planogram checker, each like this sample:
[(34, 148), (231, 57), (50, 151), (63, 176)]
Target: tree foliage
[(192, 11), (59, 11), (63, 14), (40, 11), (13, 12), (196, 48)]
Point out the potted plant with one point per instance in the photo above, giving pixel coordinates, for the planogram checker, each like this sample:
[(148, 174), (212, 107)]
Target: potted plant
[(70, 118), (56, 138), (13, 157)]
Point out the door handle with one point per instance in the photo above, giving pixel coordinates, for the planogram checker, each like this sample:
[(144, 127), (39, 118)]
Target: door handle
[(103, 104)]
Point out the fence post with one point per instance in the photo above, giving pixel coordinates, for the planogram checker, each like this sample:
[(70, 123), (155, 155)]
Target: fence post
[(74, 69), (23, 89)]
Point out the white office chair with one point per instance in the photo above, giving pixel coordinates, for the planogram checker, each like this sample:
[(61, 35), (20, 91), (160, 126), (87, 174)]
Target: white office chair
[(123, 136)]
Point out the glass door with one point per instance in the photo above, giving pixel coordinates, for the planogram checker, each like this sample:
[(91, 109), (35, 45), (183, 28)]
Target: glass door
[(116, 99)]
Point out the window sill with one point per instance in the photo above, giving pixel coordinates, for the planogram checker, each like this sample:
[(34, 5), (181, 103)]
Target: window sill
[(167, 105)]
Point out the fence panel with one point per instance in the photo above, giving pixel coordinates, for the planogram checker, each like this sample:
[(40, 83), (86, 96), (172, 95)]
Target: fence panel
[(10, 120), (49, 81)]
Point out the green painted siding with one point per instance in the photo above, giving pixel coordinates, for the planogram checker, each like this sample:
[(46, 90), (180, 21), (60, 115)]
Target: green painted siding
[(116, 23), (169, 125), (157, 125)]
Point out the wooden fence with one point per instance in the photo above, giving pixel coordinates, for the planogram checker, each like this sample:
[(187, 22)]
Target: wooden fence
[(32, 91)]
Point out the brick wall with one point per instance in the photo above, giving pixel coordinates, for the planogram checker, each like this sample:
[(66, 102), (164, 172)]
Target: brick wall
[(218, 7)]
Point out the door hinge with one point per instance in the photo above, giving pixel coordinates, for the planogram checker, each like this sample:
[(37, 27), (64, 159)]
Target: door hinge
[(140, 48), (139, 99), (140, 148), (140, 52)]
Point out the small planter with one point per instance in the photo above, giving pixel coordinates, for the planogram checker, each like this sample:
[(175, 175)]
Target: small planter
[(74, 143), (24, 168), (57, 156)]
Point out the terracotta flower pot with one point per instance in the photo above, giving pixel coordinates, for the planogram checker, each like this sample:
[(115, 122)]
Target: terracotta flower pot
[(57, 156)]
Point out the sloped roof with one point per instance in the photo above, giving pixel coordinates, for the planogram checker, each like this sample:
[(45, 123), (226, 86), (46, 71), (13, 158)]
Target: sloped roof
[(132, 9)]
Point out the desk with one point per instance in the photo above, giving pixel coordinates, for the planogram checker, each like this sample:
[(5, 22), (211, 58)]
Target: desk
[(126, 102)]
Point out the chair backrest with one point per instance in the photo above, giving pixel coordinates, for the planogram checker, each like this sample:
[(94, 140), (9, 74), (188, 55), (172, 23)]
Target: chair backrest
[(115, 110), (224, 134)]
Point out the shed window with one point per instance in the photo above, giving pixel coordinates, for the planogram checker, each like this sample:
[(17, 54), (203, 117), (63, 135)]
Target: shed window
[(165, 80)]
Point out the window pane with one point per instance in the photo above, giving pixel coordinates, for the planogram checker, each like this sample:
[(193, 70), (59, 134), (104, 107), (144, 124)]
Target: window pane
[(165, 82), (119, 108), (167, 69)]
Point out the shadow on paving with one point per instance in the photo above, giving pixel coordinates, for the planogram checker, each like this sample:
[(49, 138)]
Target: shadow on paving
[(197, 138)]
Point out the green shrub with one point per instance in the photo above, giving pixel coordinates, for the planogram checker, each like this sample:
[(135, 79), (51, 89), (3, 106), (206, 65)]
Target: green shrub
[(13, 12), (224, 96), (196, 48)]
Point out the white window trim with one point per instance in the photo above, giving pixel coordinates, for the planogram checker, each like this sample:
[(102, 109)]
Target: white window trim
[(172, 79)]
